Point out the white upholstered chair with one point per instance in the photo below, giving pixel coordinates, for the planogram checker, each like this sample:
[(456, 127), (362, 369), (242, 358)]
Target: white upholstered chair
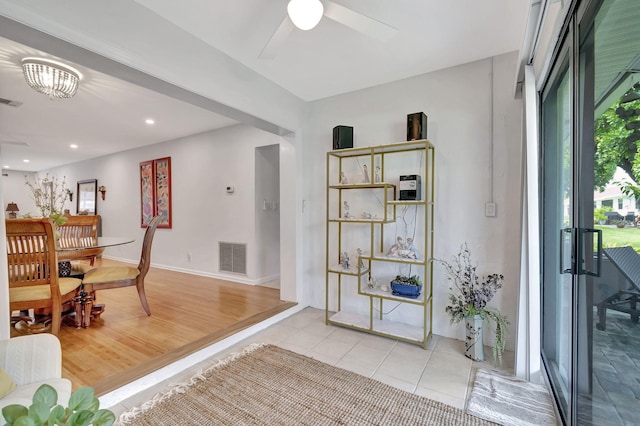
[(31, 361)]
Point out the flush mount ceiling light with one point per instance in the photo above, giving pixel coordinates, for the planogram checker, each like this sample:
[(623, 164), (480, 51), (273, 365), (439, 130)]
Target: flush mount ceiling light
[(305, 14), (51, 78)]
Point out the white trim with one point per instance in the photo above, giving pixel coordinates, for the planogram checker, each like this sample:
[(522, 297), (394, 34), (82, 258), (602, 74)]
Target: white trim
[(238, 278), (528, 363)]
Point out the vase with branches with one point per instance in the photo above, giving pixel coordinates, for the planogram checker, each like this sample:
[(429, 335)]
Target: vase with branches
[(468, 298), (49, 195)]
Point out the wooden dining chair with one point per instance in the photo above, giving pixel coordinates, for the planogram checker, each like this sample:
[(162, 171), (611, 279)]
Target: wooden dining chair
[(106, 277), (79, 231), (33, 270)]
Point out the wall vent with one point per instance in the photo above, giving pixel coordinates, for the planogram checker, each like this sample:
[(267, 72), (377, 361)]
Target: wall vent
[(9, 102), (233, 257)]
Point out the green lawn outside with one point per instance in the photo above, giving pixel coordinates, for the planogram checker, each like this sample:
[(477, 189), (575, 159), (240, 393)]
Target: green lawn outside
[(620, 237)]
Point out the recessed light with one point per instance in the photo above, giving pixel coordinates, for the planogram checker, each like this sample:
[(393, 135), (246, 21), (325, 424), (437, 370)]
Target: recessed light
[(6, 167), (26, 160), (149, 121), (73, 145)]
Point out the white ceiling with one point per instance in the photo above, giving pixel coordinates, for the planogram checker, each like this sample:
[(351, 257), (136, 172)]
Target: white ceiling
[(107, 115)]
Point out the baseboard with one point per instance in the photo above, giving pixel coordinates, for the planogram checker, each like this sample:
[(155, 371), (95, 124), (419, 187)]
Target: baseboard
[(238, 278)]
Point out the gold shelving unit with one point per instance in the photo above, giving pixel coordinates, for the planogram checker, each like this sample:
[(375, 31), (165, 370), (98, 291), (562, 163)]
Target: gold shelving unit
[(350, 300)]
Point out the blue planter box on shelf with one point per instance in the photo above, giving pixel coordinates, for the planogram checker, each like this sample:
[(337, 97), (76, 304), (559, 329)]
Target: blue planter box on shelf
[(404, 290)]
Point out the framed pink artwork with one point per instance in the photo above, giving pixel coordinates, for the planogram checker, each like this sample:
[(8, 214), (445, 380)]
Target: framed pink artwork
[(162, 190), (155, 191)]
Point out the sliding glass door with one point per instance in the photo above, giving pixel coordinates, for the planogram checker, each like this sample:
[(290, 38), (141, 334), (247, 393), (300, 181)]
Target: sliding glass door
[(557, 217), (591, 201)]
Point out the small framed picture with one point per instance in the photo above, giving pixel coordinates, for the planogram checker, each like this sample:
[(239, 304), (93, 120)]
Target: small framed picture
[(87, 196)]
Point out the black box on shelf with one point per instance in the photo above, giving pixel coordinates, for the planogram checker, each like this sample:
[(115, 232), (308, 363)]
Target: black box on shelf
[(416, 126), (342, 137), (410, 188)]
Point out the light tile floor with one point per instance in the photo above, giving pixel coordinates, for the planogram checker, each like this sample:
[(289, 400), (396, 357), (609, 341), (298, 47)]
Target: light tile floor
[(441, 372)]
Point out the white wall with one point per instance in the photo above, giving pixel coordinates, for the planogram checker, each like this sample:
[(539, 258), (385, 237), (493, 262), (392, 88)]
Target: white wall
[(13, 182), (457, 102), (203, 213)]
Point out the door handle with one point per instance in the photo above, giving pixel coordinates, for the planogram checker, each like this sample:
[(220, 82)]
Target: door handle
[(567, 236), (598, 260)]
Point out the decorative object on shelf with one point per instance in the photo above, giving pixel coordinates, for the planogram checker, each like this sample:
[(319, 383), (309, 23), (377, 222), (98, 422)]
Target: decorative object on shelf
[(343, 179), (395, 249), (377, 175), (365, 174), (416, 126), (87, 195), (372, 282), (468, 297), (342, 137), (366, 215), (103, 190), (155, 191), (346, 213), (51, 78), (13, 210), (410, 251), (360, 262), (405, 286), (410, 188), (344, 260), (404, 250)]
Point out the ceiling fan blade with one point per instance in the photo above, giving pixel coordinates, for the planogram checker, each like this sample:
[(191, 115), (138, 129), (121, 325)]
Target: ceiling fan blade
[(8, 142), (358, 21), (277, 40)]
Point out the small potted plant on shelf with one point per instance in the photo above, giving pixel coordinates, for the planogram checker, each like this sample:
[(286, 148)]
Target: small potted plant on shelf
[(406, 286), (468, 298)]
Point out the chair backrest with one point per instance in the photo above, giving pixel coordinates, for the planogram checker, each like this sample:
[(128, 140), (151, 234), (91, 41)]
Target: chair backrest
[(78, 228), (31, 254), (627, 261), (145, 256)]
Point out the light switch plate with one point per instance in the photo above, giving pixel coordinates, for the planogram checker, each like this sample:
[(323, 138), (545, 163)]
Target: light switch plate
[(490, 209)]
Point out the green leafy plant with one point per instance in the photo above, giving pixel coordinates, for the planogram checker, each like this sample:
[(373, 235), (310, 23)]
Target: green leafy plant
[(599, 213), (470, 293), (403, 279), (84, 409)]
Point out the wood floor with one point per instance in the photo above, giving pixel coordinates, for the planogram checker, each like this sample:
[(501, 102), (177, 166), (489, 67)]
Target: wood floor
[(188, 312)]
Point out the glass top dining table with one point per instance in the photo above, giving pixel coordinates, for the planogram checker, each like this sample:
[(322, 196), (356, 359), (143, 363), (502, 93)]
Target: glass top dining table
[(85, 243), (71, 245)]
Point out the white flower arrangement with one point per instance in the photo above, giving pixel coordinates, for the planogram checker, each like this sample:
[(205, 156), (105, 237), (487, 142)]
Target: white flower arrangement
[(49, 195)]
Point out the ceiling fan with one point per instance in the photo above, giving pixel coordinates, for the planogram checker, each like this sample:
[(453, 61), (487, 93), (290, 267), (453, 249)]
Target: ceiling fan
[(305, 14)]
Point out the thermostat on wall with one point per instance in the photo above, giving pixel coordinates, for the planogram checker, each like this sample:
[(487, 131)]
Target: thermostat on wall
[(230, 189)]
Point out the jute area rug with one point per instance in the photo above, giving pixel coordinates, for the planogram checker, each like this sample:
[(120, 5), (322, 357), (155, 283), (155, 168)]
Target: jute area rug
[(508, 400), (268, 385)]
